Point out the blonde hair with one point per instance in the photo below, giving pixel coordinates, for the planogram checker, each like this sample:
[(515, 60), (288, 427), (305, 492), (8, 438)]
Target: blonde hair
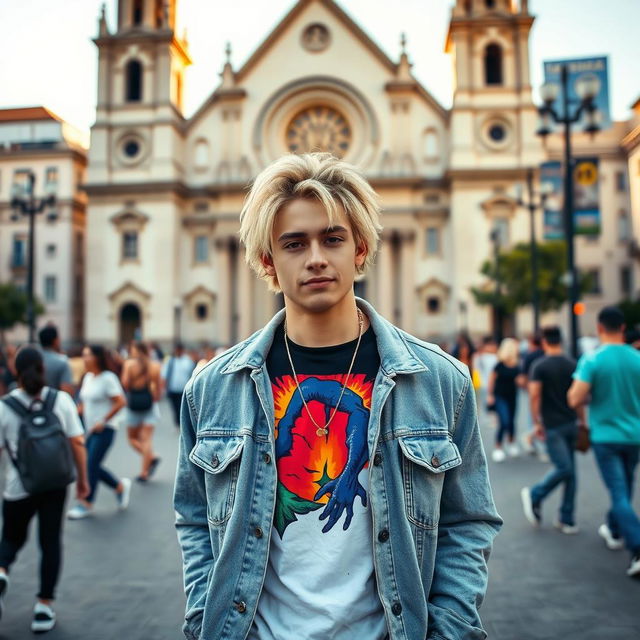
[(508, 352), (333, 182)]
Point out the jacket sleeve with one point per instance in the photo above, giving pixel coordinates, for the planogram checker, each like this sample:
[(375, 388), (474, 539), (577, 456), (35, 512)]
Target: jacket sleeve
[(190, 504), (468, 524)]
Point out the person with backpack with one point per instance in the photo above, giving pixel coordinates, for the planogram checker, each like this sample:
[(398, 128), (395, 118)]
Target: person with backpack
[(101, 399), (41, 432), (141, 380)]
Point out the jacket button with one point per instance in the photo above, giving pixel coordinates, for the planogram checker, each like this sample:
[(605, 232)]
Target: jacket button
[(215, 462), (383, 536), (267, 458), (435, 461), (377, 459), (396, 609), (258, 532), (241, 607)]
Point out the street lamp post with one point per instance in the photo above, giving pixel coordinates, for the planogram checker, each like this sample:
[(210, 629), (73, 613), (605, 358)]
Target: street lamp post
[(495, 239), (587, 87), (29, 206), (534, 201)]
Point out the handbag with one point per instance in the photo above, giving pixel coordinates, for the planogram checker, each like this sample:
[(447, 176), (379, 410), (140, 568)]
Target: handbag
[(140, 399), (583, 442)]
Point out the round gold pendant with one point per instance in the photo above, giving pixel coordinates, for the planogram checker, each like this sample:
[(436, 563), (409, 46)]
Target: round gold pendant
[(322, 432)]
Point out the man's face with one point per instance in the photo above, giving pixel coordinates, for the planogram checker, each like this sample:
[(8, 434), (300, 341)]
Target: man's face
[(314, 263)]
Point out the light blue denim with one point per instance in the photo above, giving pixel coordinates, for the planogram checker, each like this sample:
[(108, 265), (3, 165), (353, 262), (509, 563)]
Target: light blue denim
[(428, 489)]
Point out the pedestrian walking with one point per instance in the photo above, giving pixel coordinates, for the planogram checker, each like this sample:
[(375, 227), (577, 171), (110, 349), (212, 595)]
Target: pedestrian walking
[(141, 380), (331, 481), (101, 399), (607, 380), (484, 362), (533, 353), (56, 365), (176, 372), (555, 424), (502, 396), (38, 474)]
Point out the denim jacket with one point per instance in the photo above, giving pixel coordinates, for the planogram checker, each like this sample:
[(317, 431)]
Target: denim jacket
[(433, 514)]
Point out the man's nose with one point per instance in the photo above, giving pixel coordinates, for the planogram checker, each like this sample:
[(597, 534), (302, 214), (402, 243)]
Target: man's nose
[(317, 258)]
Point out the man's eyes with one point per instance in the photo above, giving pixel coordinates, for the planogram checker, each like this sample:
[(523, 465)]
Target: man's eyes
[(330, 240)]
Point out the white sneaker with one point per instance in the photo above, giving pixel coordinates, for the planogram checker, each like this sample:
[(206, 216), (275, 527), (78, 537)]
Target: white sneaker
[(634, 568), (44, 618), (513, 450), (79, 512), (125, 495), (568, 529), (498, 455), (615, 544), (4, 585)]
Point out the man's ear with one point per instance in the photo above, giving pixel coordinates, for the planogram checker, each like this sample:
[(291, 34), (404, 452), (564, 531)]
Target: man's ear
[(361, 254), (267, 263)]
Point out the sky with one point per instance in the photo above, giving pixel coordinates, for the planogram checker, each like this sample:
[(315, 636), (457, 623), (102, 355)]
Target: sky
[(47, 57)]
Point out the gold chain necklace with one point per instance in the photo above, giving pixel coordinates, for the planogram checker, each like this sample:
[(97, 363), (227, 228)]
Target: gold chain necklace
[(323, 431)]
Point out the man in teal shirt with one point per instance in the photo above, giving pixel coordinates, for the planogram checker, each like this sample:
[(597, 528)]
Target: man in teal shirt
[(609, 380)]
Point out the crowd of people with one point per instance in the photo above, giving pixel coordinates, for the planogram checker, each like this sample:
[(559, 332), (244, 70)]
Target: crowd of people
[(545, 403), (87, 397)]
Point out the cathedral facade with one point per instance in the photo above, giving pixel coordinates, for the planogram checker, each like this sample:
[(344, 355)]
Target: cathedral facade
[(165, 191)]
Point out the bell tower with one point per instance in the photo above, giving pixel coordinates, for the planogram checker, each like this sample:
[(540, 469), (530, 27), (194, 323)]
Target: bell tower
[(493, 117), (140, 93)]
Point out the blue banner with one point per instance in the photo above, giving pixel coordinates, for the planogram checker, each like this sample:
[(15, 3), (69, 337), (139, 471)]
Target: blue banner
[(577, 68), (586, 198)]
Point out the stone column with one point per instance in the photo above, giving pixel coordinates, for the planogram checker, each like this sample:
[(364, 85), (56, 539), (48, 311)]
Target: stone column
[(245, 297), (223, 307), (407, 280), (384, 279)]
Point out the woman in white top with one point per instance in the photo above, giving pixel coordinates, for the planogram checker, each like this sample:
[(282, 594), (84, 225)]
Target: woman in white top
[(19, 507), (101, 398)]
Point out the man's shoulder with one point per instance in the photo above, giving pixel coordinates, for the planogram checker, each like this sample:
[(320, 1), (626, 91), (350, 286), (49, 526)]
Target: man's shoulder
[(211, 371), (435, 358)]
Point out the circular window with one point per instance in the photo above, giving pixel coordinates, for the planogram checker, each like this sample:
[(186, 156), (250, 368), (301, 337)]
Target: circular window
[(315, 37), (319, 129), (131, 148), (497, 132)]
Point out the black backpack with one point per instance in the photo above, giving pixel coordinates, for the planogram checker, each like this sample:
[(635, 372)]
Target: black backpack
[(44, 460)]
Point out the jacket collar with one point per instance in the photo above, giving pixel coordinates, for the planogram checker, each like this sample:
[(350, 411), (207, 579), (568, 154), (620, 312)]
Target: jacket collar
[(396, 356)]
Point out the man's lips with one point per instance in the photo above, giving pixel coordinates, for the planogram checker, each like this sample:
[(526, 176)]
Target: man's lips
[(317, 282)]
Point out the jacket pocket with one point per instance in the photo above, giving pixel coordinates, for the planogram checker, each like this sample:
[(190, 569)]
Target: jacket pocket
[(425, 458), (219, 458)]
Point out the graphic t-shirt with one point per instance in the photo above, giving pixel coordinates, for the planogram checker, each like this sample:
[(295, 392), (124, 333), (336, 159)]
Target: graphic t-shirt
[(320, 582)]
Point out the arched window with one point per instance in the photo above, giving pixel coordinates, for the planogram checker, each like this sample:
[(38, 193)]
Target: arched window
[(490, 4), (493, 64), (134, 81), (136, 17)]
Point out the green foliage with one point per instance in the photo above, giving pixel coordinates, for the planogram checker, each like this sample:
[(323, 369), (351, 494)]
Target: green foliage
[(631, 310), (516, 278), (13, 307)]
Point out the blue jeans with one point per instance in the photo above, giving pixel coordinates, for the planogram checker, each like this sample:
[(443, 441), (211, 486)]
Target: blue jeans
[(97, 446), (506, 411), (561, 444), (617, 463)]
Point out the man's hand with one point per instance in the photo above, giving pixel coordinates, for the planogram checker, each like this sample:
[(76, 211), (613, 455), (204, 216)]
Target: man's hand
[(538, 431), (82, 488), (98, 427)]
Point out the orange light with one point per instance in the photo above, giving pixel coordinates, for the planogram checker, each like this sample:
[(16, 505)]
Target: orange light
[(579, 308)]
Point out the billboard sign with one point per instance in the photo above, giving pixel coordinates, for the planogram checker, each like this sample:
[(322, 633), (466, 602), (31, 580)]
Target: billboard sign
[(576, 69), (586, 198)]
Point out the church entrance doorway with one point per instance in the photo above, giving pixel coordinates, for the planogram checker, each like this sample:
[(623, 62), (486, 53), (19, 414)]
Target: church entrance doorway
[(130, 323)]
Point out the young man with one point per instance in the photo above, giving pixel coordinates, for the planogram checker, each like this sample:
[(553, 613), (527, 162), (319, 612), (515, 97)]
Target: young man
[(56, 365), (331, 479), (555, 423), (175, 373), (607, 379)]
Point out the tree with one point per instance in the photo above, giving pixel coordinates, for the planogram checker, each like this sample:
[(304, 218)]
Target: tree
[(514, 274), (631, 311), (13, 308)]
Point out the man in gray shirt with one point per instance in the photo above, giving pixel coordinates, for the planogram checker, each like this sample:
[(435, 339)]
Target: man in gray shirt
[(56, 365)]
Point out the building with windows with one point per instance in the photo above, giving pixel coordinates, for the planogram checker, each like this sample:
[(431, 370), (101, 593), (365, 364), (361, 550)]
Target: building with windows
[(631, 145), (165, 191), (35, 141)]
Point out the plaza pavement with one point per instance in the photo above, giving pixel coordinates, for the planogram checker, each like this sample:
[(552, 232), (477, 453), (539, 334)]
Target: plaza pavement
[(122, 573)]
